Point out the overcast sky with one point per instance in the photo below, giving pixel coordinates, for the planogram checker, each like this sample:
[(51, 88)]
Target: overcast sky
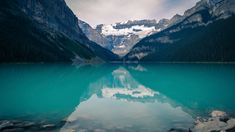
[(97, 12)]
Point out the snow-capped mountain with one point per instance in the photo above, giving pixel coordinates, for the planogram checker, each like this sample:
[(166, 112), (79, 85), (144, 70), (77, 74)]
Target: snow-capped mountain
[(203, 33), (121, 37), (124, 35)]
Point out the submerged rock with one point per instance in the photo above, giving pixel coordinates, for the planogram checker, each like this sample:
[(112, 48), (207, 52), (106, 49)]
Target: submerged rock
[(48, 126), (5, 124), (219, 121), (217, 113), (14, 130), (179, 130), (18, 126)]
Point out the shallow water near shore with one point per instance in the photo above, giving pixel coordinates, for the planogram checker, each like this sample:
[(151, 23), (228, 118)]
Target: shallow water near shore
[(113, 97)]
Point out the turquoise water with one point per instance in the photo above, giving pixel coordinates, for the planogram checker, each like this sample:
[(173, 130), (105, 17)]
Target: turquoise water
[(148, 97)]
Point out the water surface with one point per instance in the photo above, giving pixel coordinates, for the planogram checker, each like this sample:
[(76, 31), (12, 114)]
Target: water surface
[(112, 97)]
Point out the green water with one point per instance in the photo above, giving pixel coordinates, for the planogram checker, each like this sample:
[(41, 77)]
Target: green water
[(148, 97)]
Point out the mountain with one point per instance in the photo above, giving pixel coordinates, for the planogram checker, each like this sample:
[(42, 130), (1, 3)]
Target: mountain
[(44, 31), (93, 35), (124, 35), (204, 33)]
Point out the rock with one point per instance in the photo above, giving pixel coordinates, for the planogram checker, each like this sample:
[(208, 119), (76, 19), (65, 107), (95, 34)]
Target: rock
[(48, 126), (217, 113), (179, 130), (14, 130), (18, 126), (24, 124), (224, 119), (61, 123), (231, 123), (6, 124), (83, 130), (219, 121), (99, 130), (214, 125), (231, 130)]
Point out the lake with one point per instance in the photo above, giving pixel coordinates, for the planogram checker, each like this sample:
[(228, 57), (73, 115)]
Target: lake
[(114, 97)]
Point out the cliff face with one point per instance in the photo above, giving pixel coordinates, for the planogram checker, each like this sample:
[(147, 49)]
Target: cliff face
[(54, 14), (206, 11), (204, 33), (94, 35), (44, 30), (121, 37)]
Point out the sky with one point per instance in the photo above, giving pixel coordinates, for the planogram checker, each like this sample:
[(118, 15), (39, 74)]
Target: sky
[(97, 12)]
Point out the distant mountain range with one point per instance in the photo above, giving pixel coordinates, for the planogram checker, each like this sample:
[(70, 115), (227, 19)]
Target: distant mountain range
[(48, 31), (44, 31), (204, 33), (123, 36)]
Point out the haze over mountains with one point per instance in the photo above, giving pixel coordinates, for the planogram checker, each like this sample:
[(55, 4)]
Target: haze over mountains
[(45, 31)]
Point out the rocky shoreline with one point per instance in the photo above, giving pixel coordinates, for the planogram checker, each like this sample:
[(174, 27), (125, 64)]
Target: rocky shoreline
[(218, 121), (28, 126)]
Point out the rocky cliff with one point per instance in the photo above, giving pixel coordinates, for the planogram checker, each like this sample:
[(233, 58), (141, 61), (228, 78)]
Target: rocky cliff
[(41, 30), (204, 33)]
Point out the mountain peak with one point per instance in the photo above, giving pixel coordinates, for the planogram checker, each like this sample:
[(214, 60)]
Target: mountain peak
[(122, 36), (191, 37)]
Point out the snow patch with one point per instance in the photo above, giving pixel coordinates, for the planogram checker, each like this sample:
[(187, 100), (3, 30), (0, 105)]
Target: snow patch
[(141, 31), (139, 92)]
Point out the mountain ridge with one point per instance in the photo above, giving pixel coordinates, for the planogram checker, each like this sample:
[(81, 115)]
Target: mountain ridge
[(44, 34), (203, 33), (122, 36)]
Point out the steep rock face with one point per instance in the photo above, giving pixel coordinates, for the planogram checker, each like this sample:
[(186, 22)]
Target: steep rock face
[(206, 11), (217, 8), (175, 19), (93, 35), (123, 36), (54, 14), (40, 30), (203, 33)]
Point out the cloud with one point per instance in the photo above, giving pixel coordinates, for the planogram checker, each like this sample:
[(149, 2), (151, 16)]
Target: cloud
[(110, 11)]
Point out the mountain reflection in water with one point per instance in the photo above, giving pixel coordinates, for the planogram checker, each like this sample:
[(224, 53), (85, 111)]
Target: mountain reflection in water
[(120, 103), (112, 97)]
